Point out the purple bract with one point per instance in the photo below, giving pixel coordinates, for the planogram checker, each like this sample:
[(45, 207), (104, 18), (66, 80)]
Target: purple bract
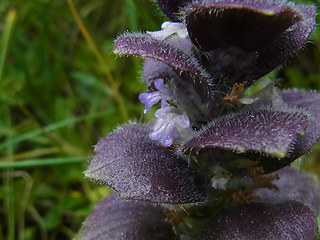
[(213, 164)]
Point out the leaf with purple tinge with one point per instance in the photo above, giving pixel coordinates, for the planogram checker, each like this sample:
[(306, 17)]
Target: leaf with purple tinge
[(247, 25), (283, 221), (288, 43), (145, 46), (265, 131), (308, 102), (171, 8), (155, 69), (293, 185), (138, 168), (118, 219)]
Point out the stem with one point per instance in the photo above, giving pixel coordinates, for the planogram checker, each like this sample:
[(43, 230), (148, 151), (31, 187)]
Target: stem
[(100, 59), (37, 218), (41, 162), (10, 19), (8, 181)]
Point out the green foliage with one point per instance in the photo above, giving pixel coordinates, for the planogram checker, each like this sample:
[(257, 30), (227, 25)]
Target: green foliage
[(57, 100)]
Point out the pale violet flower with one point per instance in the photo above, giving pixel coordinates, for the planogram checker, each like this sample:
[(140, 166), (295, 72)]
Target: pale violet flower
[(171, 123), (169, 28), (163, 94)]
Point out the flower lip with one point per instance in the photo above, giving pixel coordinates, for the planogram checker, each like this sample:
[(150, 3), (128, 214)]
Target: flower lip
[(250, 27), (170, 124), (168, 29), (163, 93)]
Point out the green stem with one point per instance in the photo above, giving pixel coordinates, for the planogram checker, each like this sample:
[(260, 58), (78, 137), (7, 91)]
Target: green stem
[(37, 218), (8, 179), (11, 16), (8, 182), (100, 59), (42, 162)]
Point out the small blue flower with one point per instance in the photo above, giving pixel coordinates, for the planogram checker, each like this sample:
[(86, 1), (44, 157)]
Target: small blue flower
[(171, 123), (163, 94)]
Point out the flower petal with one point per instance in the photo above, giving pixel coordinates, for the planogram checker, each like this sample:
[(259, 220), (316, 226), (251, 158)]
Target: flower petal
[(145, 46), (287, 220), (170, 122), (248, 25), (149, 99), (265, 131), (169, 29), (309, 102), (118, 219), (293, 185), (138, 168)]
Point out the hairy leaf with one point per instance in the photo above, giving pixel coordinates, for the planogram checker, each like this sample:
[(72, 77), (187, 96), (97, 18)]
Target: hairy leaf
[(145, 46), (118, 219), (138, 168), (265, 131), (283, 221), (293, 185), (287, 44), (308, 102), (171, 7), (247, 25)]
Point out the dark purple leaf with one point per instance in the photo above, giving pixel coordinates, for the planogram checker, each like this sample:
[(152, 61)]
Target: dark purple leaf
[(164, 51), (293, 186), (265, 131), (118, 219), (287, 44), (171, 7), (283, 221), (138, 168), (272, 49), (248, 25), (308, 102), (154, 69)]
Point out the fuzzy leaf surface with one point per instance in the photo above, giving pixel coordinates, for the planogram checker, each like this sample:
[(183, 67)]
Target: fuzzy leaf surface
[(282, 221), (145, 46), (293, 185), (247, 25), (138, 168), (264, 131), (287, 44), (171, 8), (118, 219), (308, 102)]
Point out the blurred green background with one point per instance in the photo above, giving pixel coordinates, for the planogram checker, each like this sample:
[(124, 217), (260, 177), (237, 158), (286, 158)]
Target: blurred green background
[(62, 90)]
